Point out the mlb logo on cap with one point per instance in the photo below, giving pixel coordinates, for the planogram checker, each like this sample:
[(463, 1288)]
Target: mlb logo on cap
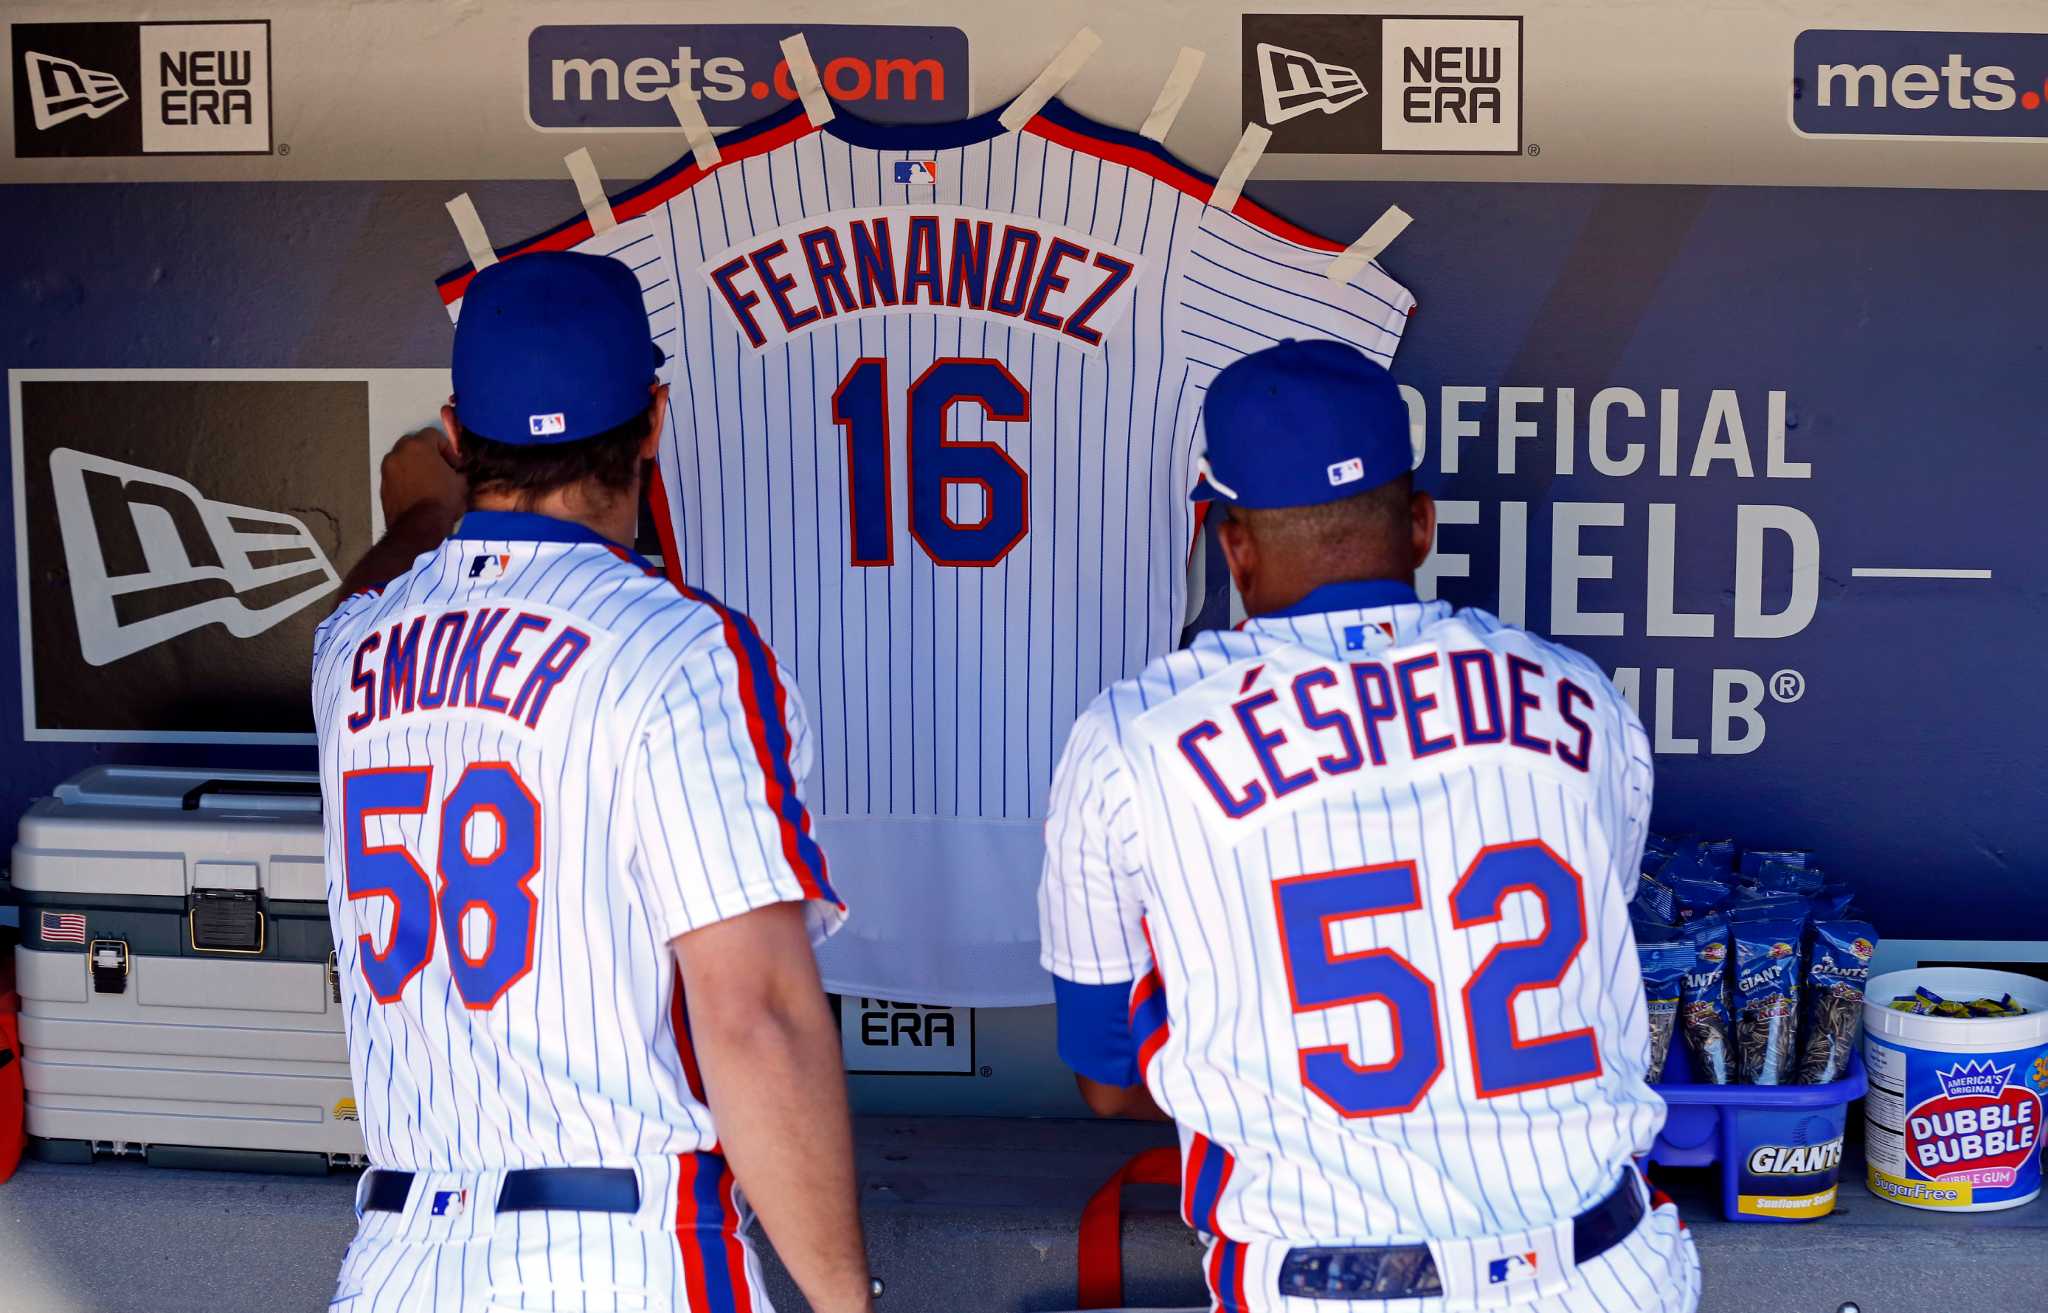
[(1515, 1267), (917, 173), (1301, 424), (541, 426)]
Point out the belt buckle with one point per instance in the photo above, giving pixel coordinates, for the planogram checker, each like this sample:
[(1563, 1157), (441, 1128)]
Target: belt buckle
[(1365, 1272)]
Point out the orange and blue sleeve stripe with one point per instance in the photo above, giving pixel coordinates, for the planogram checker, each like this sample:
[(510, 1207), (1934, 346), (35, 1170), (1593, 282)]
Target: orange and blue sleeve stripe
[(766, 704), (1148, 1017)]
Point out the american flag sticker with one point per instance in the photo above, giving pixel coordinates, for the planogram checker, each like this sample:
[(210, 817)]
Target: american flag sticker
[(63, 928)]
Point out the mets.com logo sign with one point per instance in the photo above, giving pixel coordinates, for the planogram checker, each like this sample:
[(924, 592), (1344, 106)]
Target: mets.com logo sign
[(1920, 84), (604, 78)]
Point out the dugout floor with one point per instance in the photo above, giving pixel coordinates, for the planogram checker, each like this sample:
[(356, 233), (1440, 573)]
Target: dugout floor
[(952, 1206)]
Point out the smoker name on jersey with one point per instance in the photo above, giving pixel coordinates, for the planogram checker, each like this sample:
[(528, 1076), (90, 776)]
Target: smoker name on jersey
[(467, 659), (853, 264), (1293, 730)]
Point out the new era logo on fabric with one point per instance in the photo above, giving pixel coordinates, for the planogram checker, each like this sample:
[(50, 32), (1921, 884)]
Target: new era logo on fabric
[(1293, 82), (150, 557), (63, 928), (917, 173), (1449, 85), (1347, 471), (179, 532), (60, 90), (1515, 1267), (186, 88), (541, 426)]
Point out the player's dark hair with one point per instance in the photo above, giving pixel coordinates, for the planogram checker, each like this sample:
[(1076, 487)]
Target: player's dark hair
[(528, 472)]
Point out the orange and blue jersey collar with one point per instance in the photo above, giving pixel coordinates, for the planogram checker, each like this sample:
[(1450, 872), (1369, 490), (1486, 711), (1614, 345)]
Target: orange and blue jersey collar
[(531, 527)]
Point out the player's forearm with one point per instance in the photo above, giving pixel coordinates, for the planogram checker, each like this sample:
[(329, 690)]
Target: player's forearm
[(420, 529), (767, 1075)]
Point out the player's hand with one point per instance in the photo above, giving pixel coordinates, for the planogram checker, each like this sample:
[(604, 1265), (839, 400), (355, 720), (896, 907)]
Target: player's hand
[(419, 476)]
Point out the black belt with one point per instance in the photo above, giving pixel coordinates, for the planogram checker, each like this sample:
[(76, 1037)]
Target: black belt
[(1410, 1272), (533, 1189)]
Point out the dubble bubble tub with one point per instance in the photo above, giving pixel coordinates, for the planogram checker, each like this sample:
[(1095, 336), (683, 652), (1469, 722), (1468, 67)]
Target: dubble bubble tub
[(1954, 1119)]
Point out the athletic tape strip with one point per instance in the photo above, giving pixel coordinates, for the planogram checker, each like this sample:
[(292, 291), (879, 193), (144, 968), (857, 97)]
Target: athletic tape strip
[(703, 146), (596, 205), (1230, 183), (1186, 67), (803, 74), (1369, 244), (474, 239), (1047, 84)]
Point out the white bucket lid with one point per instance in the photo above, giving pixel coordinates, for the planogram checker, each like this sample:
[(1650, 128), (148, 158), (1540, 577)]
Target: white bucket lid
[(1958, 1034)]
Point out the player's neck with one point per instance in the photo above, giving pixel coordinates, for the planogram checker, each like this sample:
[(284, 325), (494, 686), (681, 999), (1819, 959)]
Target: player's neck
[(1265, 599), (611, 515)]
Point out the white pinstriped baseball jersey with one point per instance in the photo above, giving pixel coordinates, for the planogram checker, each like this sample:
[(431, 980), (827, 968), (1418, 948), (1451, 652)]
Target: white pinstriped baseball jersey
[(1367, 865), (935, 403), (541, 763)]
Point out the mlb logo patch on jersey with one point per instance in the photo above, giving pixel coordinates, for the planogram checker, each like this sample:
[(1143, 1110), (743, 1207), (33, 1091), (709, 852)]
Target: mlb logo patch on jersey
[(1357, 638), (1347, 471), (1515, 1267), (542, 426), (917, 173), (489, 565), (450, 1203)]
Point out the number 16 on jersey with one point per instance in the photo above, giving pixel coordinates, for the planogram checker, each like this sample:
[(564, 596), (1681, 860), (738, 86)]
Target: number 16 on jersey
[(933, 461)]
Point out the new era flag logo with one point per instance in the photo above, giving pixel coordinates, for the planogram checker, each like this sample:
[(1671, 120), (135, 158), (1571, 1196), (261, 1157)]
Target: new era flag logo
[(63, 928), (1296, 83), (60, 90), (150, 557)]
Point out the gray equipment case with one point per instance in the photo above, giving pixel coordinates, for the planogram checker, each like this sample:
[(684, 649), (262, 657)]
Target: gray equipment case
[(176, 969)]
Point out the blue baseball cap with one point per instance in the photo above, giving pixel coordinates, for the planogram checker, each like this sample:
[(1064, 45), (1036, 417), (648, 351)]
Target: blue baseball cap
[(1300, 424), (552, 347)]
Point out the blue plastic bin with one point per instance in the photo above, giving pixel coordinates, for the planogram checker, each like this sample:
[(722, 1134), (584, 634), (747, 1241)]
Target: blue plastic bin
[(1779, 1146)]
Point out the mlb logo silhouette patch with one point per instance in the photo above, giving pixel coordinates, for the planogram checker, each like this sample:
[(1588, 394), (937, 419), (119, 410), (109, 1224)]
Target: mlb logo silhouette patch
[(1358, 637), (450, 1203), (917, 173), (489, 565), (1515, 1267), (541, 426)]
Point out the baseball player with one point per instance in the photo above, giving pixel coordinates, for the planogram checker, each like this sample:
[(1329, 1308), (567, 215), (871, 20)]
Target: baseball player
[(1344, 894), (573, 888)]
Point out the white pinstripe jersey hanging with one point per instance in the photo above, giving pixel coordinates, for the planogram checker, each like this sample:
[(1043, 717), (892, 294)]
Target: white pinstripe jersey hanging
[(935, 404)]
